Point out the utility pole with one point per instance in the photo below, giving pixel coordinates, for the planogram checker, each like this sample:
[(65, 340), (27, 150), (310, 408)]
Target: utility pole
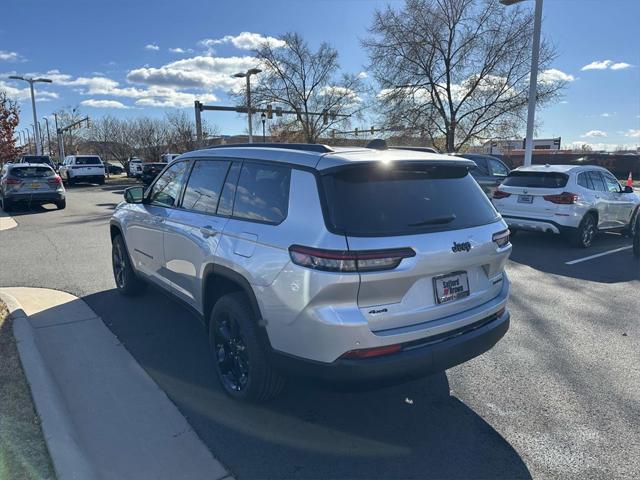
[(31, 81), (247, 75), (46, 120), (60, 140), (198, 108)]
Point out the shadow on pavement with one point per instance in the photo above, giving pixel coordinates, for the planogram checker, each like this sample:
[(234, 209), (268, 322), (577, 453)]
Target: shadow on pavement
[(549, 253), (24, 208), (413, 430)]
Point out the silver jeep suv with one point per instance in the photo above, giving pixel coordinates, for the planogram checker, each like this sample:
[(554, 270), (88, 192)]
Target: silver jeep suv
[(343, 264)]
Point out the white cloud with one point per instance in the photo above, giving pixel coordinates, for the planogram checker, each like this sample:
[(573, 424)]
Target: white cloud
[(564, 102), (180, 50), (10, 56), (363, 75), (152, 46), (554, 75), (102, 103), (348, 94), (606, 64), (598, 146), (607, 115), (243, 41), (24, 94), (594, 133), (203, 71), (620, 66), (170, 98), (598, 65), (633, 133)]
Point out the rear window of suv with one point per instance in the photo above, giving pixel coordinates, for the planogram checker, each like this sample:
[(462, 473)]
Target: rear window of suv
[(88, 161), (32, 172), (375, 200), (536, 179)]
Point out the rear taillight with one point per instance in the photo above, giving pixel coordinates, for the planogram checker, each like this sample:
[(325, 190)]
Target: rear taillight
[(12, 181), (497, 194), (373, 352), (55, 180), (501, 238), (348, 261), (565, 198)]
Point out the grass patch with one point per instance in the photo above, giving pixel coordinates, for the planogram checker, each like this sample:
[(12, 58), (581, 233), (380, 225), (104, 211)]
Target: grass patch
[(23, 452)]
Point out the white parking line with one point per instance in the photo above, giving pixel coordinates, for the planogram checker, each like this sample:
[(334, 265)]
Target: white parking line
[(615, 250), (6, 222)]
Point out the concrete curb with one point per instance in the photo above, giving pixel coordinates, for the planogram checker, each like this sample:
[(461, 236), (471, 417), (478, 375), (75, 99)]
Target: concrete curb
[(68, 458), (102, 416), (6, 222)]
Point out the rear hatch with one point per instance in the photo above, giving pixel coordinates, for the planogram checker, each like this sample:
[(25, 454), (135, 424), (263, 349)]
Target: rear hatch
[(440, 213), (522, 194), (88, 166), (152, 169), (32, 179)]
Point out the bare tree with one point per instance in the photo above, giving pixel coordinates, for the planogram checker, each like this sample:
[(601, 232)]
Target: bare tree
[(111, 138), (307, 82), (71, 138), (181, 132), (456, 71)]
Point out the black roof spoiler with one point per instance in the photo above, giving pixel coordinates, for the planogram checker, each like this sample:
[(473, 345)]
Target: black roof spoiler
[(307, 147)]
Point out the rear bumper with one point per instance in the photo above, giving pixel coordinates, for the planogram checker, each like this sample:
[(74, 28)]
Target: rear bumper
[(53, 196), (416, 359), (537, 224)]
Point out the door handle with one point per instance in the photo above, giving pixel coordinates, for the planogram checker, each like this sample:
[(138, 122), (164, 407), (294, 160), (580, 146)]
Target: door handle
[(208, 231)]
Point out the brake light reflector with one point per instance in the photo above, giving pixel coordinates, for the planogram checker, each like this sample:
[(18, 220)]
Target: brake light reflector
[(12, 181), (497, 194), (348, 261), (373, 352), (565, 198)]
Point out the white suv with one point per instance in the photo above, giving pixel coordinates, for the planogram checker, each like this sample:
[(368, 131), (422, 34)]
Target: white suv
[(82, 168), (348, 264), (575, 200)]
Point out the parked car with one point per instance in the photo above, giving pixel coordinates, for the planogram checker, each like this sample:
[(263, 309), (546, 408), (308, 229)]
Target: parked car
[(82, 168), (34, 183), (150, 171), (114, 169), (168, 157), (349, 265), (578, 201), (489, 173), (46, 159), (135, 167)]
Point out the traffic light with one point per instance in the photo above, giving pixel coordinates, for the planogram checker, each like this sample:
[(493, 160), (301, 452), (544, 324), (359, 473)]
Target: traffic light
[(373, 130), (278, 111), (355, 131), (269, 111)]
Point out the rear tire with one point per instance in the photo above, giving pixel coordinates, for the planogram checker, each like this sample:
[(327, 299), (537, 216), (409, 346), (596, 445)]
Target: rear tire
[(241, 364), (69, 180), (101, 181), (61, 204), (6, 204), (127, 282), (586, 232)]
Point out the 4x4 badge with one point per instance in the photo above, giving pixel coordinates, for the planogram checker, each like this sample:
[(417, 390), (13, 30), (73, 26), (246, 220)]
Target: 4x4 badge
[(461, 247)]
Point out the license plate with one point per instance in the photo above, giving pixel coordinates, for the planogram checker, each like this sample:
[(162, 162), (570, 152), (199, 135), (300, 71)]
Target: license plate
[(35, 185), (525, 198), (451, 287)]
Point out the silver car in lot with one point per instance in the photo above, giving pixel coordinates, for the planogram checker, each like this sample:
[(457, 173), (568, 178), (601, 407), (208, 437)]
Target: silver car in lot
[(343, 264), (578, 201), (35, 183)]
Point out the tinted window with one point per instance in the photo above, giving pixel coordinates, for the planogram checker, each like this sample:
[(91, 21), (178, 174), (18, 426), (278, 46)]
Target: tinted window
[(31, 172), (204, 186), (406, 199), (225, 208), (36, 159), (598, 182), (585, 181), (612, 184), (536, 179), (482, 167), (88, 161), (497, 168), (166, 190), (262, 193)]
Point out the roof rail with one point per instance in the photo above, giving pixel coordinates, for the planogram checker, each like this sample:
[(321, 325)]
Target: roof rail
[(309, 147), (417, 149)]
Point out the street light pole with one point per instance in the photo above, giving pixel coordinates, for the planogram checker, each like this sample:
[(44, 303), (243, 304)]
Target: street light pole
[(533, 78), (263, 117), (247, 75), (31, 81), (46, 120)]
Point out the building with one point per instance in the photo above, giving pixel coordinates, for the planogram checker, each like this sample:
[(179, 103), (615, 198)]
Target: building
[(505, 147)]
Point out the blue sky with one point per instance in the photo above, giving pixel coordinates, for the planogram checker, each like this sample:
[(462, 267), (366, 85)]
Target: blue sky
[(115, 57)]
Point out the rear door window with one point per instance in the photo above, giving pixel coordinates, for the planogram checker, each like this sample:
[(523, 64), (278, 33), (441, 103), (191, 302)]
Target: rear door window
[(519, 178), (369, 200), (598, 181), (262, 193), (204, 186), (612, 184), (497, 168)]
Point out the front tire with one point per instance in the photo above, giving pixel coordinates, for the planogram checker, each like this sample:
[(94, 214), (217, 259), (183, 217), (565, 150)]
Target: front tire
[(586, 232), (61, 204), (127, 282), (241, 363)]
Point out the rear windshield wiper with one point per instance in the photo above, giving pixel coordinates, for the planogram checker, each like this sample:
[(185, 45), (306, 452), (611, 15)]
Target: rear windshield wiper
[(434, 221)]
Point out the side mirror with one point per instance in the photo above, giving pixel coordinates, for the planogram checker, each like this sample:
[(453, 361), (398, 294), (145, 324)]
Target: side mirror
[(628, 189), (134, 195)]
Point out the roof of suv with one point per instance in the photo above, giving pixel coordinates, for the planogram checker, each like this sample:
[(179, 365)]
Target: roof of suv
[(321, 157), (558, 168)]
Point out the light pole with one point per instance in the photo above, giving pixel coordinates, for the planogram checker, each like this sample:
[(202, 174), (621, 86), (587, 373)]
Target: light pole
[(263, 117), (46, 120), (533, 79), (28, 140), (247, 75), (31, 81)]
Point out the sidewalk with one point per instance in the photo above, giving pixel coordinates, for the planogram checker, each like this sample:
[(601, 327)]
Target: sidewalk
[(6, 222), (102, 415)]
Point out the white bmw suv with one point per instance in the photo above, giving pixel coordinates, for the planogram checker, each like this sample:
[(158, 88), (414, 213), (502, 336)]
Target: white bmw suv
[(574, 200)]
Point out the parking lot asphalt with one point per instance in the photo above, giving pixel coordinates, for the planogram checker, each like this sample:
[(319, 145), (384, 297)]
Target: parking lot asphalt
[(558, 397)]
